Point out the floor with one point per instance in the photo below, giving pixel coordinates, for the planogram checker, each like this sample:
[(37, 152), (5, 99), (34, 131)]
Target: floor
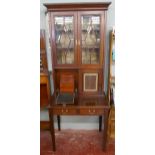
[(75, 142)]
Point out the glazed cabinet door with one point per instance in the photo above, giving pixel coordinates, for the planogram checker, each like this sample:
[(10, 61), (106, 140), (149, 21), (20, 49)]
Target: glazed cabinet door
[(90, 38), (64, 38)]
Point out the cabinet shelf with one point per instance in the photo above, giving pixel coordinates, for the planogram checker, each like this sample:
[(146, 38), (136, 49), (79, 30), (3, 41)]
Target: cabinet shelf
[(63, 31), (90, 47), (60, 49)]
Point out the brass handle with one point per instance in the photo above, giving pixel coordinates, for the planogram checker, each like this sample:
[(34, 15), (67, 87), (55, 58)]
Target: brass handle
[(91, 111), (64, 111)]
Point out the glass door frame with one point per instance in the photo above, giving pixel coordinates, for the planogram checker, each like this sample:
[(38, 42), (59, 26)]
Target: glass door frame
[(102, 43), (53, 38)]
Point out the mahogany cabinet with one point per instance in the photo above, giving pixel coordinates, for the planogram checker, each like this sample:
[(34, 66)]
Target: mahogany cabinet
[(44, 83), (111, 86), (77, 39), (44, 80)]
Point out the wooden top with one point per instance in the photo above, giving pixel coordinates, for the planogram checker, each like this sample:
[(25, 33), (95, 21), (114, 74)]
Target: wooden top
[(84, 101), (77, 6)]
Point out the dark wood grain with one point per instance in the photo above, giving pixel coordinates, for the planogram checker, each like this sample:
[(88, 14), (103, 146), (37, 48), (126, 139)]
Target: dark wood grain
[(77, 6), (52, 130), (105, 122)]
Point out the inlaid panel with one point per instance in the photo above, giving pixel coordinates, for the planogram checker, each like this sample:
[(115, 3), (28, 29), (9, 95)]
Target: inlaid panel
[(90, 82)]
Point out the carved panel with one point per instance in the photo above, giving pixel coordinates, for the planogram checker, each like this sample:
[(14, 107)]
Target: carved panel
[(90, 81)]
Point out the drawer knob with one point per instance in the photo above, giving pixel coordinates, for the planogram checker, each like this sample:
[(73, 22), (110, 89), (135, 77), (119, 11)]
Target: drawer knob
[(62, 110), (91, 111), (66, 110)]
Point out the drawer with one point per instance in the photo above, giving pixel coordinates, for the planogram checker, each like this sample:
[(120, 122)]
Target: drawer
[(91, 111), (65, 111)]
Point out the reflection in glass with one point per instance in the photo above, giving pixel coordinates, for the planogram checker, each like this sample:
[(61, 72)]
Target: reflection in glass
[(64, 39), (90, 27)]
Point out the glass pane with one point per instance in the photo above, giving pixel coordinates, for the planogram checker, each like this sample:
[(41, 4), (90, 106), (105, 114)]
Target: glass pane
[(90, 39), (64, 39)]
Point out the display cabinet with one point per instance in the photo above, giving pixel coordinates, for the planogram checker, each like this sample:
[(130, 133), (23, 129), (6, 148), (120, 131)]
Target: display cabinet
[(78, 42), (44, 83), (77, 39), (111, 86), (44, 80)]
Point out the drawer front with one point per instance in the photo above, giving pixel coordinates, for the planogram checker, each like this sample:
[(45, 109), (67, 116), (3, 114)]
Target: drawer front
[(65, 111), (91, 111)]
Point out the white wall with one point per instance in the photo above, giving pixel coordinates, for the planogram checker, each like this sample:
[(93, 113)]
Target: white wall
[(79, 121)]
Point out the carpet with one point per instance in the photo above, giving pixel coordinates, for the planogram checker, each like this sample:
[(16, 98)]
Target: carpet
[(75, 142)]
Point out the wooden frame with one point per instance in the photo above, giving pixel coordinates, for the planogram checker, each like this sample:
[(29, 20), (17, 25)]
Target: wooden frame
[(101, 56), (102, 6), (86, 75), (100, 84), (54, 54)]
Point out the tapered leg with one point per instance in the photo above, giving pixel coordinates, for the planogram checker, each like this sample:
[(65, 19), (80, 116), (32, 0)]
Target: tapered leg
[(100, 123), (58, 120), (105, 121), (52, 130)]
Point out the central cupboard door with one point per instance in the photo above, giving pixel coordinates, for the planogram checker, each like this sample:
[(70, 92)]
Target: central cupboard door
[(64, 38)]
